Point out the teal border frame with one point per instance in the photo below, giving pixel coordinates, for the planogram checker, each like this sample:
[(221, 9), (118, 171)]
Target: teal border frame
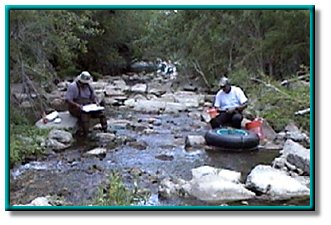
[(311, 207)]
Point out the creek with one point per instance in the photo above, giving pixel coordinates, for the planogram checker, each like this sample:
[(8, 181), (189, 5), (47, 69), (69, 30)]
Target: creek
[(150, 156)]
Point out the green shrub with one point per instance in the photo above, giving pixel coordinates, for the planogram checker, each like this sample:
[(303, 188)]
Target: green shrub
[(274, 102), (116, 193), (25, 142)]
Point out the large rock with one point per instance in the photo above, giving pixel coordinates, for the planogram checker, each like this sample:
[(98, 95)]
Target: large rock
[(55, 145), (276, 183), (67, 122), (190, 99), (111, 90), (139, 88), (105, 137), (99, 85), (229, 175), (158, 89), (61, 136), (58, 104), (209, 184), (216, 185), (58, 139), (297, 155), (39, 201), (169, 188), (168, 97), (294, 133), (216, 189), (195, 141), (142, 66), (149, 106), (173, 107), (96, 152), (121, 85)]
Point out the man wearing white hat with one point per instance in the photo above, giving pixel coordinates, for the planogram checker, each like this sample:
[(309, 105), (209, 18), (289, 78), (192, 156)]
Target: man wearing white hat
[(230, 101), (81, 93)]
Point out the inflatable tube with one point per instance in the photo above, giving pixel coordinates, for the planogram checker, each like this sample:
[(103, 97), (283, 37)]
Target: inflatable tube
[(232, 138)]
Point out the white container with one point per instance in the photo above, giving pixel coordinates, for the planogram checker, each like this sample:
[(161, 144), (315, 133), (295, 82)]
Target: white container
[(58, 120), (52, 116)]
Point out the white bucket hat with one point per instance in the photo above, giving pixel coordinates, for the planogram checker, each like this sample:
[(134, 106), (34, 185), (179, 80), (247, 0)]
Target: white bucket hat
[(223, 81), (85, 77)]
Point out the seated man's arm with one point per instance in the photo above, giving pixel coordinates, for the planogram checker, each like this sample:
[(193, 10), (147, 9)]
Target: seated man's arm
[(69, 97), (241, 107), (72, 103), (242, 100)]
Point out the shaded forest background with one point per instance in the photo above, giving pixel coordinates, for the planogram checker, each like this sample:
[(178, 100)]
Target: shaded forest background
[(257, 49)]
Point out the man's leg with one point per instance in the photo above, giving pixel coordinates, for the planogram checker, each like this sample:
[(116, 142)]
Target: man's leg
[(103, 121), (85, 123), (236, 120), (219, 120), (77, 113), (102, 118)]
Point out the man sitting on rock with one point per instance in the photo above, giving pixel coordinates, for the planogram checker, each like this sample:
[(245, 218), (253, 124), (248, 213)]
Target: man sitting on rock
[(230, 101), (81, 93)]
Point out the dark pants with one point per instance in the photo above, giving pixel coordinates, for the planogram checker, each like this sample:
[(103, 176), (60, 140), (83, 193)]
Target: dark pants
[(84, 119), (224, 119)]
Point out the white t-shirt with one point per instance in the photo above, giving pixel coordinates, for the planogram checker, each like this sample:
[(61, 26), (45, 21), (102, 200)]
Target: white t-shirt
[(234, 98)]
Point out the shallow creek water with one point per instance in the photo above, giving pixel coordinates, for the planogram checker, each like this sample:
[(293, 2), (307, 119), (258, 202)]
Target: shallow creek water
[(76, 178)]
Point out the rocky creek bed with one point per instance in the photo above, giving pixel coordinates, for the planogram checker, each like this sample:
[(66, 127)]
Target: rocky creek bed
[(148, 143)]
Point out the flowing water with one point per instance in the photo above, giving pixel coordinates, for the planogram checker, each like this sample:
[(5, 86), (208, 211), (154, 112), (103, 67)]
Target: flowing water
[(76, 178)]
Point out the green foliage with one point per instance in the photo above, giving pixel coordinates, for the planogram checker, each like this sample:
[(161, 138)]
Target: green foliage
[(274, 102), (241, 78), (16, 117), (239, 43), (25, 142), (43, 42), (120, 42), (116, 193), (274, 42)]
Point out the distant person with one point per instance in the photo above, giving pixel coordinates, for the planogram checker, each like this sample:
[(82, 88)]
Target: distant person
[(230, 101), (81, 93)]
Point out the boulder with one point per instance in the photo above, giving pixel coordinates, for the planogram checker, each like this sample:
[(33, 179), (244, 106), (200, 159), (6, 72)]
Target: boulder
[(39, 201), (149, 106), (61, 136), (96, 152), (195, 141), (67, 122), (297, 155), (120, 84), (190, 99), (208, 184), (173, 107), (229, 175), (217, 189), (169, 188), (276, 183), (105, 137), (111, 90), (55, 145), (294, 133), (139, 88)]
